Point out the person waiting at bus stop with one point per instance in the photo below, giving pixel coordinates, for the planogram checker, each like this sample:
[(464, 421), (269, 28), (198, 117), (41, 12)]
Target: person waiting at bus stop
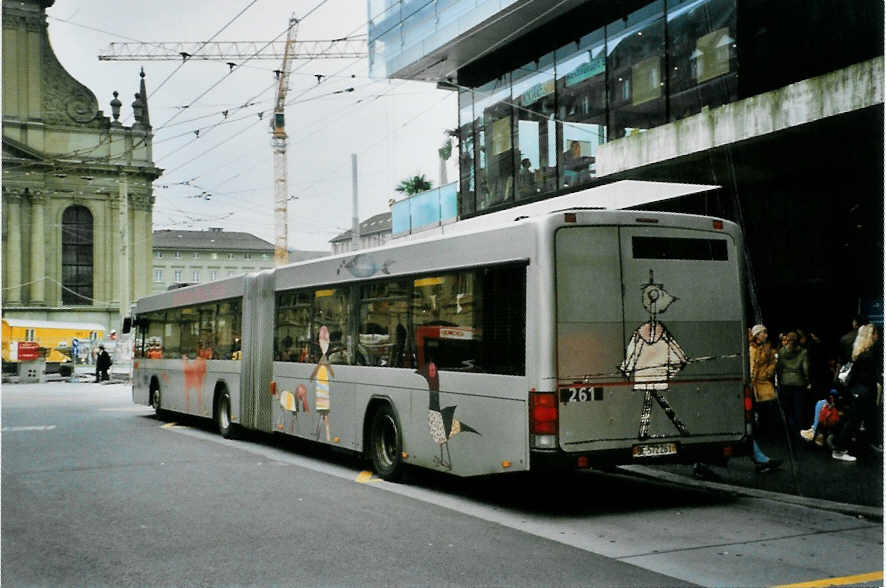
[(102, 365)]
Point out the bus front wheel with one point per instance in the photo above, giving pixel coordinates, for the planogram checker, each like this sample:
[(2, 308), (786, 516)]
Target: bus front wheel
[(386, 444)]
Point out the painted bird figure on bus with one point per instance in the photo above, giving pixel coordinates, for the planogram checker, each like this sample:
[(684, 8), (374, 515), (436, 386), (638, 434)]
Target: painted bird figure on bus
[(442, 423), (653, 358)]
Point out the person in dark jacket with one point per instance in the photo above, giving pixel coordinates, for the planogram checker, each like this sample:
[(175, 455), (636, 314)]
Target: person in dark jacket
[(792, 370), (102, 365), (867, 373)]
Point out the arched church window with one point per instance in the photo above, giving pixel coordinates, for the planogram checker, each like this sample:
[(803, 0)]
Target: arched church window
[(77, 256)]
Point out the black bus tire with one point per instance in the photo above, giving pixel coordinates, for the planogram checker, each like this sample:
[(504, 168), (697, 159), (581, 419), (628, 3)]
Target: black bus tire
[(386, 444), (223, 415), (155, 400)]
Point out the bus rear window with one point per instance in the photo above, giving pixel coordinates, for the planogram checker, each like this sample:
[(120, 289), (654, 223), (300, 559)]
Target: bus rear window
[(679, 248)]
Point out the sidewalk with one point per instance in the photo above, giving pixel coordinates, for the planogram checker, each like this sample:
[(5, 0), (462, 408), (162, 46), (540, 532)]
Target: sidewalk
[(808, 472)]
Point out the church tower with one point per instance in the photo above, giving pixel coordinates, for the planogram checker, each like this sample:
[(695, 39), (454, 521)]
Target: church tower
[(71, 178)]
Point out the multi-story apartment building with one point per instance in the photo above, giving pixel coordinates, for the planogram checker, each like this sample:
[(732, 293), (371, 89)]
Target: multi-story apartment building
[(191, 257), (779, 102), (374, 231)]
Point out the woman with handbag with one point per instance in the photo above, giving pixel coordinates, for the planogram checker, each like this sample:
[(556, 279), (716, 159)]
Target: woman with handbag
[(866, 373)]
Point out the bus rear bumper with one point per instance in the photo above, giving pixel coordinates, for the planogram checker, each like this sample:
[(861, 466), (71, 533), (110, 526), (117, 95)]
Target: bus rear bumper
[(717, 453)]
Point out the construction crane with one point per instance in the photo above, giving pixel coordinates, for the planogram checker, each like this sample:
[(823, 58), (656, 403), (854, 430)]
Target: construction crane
[(278, 145), (234, 52)]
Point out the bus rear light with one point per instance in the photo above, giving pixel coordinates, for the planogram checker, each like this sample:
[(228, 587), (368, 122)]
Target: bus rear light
[(543, 441), (727, 451), (273, 388), (569, 217), (718, 224), (583, 462), (505, 464), (543, 413), (748, 401)]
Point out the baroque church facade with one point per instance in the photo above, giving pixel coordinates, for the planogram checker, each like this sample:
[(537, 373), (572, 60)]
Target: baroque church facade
[(71, 175)]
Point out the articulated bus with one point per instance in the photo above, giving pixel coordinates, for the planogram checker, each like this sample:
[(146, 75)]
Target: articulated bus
[(551, 335)]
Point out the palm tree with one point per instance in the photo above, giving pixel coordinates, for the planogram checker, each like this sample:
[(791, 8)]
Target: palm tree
[(414, 185)]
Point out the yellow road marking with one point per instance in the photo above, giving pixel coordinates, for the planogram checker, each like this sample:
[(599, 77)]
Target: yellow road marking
[(365, 477), (871, 577)]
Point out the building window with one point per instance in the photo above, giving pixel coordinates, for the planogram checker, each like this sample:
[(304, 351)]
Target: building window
[(535, 131), (212, 275), (159, 254), (466, 155), (76, 255), (158, 275), (635, 66), (178, 275), (29, 335), (247, 256), (196, 255), (702, 55), (264, 256), (581, 83), (214, 256), (178, 254), (195, 275), (492, 131), (230, 256)]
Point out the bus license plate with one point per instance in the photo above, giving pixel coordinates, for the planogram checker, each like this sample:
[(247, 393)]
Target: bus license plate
[(655, 450)]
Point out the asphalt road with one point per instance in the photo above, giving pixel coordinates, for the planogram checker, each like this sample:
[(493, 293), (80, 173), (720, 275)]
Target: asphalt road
[(97, 491)]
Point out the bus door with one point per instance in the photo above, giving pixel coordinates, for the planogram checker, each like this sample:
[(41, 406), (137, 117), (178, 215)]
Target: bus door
[(590, 335), (683, 334)]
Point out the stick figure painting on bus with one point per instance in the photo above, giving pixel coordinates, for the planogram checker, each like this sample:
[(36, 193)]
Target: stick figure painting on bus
[(653, 358), (321, 376)]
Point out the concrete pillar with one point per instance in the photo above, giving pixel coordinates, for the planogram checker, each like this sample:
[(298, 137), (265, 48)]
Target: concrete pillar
[(38, 251), (13, 253)]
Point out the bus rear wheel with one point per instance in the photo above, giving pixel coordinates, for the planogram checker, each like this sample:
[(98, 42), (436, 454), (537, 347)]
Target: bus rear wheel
[(386, 444), (223, 415)]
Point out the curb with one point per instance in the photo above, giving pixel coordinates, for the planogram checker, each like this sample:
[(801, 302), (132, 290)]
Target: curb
[(870, 512)]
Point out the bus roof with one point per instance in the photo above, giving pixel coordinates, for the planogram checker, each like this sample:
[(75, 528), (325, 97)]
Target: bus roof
[(613, 196), (31, 324)]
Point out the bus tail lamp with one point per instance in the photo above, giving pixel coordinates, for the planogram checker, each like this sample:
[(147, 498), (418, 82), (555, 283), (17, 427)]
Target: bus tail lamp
[(273, 388), (748, 409), (543, 415), (569, 217), (583, 462), (718, 224)]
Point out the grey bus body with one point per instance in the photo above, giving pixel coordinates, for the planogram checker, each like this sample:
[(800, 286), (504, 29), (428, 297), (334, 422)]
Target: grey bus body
[(633, 347)]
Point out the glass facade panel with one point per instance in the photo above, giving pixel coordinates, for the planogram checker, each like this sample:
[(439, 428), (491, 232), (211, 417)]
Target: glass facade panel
[(636, 61), (581, 99), (492, 129), (466, 151), (420, 24), (535, 159), (702, 55)]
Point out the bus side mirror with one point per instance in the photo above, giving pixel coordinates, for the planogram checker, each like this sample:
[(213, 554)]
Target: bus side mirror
[(127, 325)]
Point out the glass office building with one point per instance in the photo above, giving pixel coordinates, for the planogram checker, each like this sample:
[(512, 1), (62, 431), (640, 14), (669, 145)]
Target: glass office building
[(780, 102)]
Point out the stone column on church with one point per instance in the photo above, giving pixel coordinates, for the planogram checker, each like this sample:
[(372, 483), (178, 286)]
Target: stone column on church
[(140, 254), (113, 247), (38, 251), (13, 253)]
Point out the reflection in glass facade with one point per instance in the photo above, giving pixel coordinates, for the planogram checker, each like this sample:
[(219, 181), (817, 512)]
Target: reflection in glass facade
[(534, 131)]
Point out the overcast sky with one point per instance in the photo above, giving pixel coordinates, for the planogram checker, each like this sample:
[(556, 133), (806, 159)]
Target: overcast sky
[(394, 127)]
